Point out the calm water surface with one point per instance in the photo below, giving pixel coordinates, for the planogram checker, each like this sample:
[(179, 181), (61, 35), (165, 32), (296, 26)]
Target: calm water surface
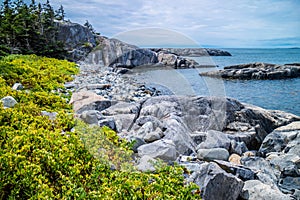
[(270, 94)]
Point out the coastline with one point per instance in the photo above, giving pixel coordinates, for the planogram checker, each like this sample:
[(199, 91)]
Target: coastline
[(156, 121)]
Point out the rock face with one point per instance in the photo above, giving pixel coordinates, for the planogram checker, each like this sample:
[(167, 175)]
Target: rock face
[(193, 52), (216, 183), (78, 40), (134, 58), (254, 189), (256, 71), (115, 53)]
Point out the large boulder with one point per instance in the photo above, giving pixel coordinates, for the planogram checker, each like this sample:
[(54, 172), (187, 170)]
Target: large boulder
[(87, 100), (134, 58), (162, 149), (118, 54), (255, 189), (215, 139), (265, 172), (175, 61), (215, 183), (213, 154)]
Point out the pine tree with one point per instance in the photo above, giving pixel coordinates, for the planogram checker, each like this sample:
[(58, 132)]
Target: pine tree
[(60, 13), (29, 29), (89, 26)]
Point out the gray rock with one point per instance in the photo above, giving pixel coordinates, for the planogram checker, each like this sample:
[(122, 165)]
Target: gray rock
[(154, 135), (177, 131), (255, 189), (91, 116), (162, 149), (213, 154), (239, 171), (109, 122), (287, 164), (146, 163), (215, 139), (274, 142), (137, 142), (51, 115), (69, 85), (264, 171), (123, 121), (118, 54), (256, 71), (167, 58), (9, 102), (215, 183), (145, 129), (198, 137), (78, 40), (289, 185), (191, 166), (17, 86), (238, 147)]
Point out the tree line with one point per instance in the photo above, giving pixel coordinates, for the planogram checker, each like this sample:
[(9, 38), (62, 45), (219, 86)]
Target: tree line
[(29, 28)]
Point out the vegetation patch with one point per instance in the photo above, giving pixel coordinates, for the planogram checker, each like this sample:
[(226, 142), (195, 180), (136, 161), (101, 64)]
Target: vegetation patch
[(44, 158)]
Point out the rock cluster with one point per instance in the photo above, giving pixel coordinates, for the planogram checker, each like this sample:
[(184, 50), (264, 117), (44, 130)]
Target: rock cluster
[(232, 150), (256, 71)]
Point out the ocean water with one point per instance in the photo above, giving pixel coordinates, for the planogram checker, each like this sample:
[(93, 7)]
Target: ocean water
[(281, 94)]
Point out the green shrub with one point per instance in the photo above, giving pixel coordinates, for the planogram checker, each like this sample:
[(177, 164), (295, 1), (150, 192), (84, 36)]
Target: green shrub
[(42, 158)]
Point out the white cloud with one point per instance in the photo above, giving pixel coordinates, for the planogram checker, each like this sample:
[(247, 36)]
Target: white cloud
[(215, 22)]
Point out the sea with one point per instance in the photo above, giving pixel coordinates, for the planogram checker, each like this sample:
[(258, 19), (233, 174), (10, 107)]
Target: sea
[(283, 94)]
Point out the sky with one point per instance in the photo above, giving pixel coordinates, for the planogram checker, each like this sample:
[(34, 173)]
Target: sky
[(208, 23)]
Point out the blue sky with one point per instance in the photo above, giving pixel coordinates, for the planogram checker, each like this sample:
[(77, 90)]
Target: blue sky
[(211, 23)]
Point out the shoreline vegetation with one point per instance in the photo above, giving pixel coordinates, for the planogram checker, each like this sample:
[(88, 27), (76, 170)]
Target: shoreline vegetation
[(43, 157), (88, 131)]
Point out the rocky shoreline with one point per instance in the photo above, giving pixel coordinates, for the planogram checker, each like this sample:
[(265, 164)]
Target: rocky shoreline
[(257, 71), (228, 147), (91, 49)]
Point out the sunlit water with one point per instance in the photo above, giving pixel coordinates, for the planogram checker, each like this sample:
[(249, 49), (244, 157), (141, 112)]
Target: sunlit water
[(270, 94)]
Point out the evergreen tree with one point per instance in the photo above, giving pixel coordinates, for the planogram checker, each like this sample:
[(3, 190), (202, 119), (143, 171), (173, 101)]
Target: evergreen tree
[(60, 13), (89, 26), (29, 29)]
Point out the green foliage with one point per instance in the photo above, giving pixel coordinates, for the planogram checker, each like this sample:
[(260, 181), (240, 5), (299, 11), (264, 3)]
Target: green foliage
[(28, 29), (36, 73), (41, 158)]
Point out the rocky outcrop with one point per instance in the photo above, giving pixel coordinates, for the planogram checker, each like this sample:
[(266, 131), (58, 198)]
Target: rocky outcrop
[(115, 53), (193, 52), (256, 71), (84, 45), (78, 40), (175, 61)]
